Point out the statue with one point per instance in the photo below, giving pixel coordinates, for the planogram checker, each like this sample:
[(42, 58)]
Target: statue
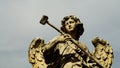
[(65, 51)]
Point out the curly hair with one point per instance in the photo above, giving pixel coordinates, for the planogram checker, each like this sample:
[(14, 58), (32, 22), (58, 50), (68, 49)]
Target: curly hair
[(79, 26)]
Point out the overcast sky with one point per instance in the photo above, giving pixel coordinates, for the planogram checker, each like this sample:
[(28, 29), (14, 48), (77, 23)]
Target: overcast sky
[(19, 24)]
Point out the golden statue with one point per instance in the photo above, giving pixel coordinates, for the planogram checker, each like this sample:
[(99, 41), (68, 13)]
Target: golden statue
[(65, 51)]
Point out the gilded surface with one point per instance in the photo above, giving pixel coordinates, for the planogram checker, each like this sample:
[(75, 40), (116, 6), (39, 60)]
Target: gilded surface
[(62, 52)]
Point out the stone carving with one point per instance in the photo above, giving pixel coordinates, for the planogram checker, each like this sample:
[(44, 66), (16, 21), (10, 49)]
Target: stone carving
[(103, 52), (65, 51), (35, 56)]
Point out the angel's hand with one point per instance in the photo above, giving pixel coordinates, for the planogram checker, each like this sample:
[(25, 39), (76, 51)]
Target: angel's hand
[(64, 37)]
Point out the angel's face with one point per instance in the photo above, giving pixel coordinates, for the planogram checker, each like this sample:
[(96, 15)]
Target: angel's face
[(70, 25)]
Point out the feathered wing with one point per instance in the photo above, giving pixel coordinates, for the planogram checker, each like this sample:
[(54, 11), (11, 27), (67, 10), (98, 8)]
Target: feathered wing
[(103, 52), (35, 56)]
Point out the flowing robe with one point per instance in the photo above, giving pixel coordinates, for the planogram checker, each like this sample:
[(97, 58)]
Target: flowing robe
[(64, 54)]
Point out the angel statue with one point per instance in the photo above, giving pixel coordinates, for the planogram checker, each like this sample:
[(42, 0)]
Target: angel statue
[(66, 51)]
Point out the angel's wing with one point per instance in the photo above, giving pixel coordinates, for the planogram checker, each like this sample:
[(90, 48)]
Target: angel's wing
[(35, 56), (103, 52)]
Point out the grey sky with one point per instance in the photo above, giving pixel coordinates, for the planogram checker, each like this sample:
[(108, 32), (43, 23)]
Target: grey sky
[(19, 24)]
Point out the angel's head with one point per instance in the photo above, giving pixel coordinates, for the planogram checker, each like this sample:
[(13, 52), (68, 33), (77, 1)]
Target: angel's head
[(72, 24)]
